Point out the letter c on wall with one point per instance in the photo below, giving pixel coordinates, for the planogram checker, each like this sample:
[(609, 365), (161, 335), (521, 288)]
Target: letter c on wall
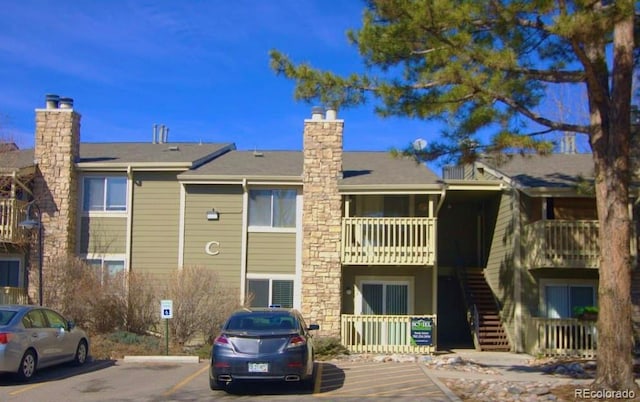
[(211, 248)]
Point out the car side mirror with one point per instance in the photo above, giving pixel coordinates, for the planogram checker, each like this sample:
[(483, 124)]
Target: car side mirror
[(313, 327), (71, 325)]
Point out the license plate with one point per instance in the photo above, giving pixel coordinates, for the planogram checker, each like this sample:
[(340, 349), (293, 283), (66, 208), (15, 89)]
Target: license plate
[(258, 367)]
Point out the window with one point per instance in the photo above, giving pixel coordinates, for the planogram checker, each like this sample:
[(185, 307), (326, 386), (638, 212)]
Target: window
[(272, 208), (10, 273), (106, 193), (106, 268), (266, 292), (561, 299), (385, 298), (55, 320)]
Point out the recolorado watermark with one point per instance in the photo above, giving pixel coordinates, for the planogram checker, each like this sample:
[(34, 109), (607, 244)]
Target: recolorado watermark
[(603, 394)]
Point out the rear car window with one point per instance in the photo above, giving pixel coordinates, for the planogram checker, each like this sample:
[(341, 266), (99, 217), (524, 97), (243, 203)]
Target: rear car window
[(6, 316), (259, 322)]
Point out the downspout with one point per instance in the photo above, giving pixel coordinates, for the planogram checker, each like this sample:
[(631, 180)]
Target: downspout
[(129, 234), (181, 227), (243, 247)]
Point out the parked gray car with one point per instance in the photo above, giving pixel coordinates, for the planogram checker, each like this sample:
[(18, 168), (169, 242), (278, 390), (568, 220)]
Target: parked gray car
[(33, 337)]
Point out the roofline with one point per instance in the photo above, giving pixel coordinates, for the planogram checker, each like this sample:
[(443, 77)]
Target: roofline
[(198, 162), (156, 165), (495, 172), (389, 189), (475, 185), (190, 177), (119, 166)]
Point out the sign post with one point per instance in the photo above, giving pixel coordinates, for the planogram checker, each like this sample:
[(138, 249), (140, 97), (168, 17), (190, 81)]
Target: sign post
[(166, 312)]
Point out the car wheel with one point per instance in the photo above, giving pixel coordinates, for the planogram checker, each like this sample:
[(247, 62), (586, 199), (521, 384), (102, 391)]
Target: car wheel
[(27, 365), (81, 353)]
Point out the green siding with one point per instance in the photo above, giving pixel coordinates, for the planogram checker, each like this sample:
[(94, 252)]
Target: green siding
[(156, 215), (103, 235), (227, 200), (273, 253), (502, 261)]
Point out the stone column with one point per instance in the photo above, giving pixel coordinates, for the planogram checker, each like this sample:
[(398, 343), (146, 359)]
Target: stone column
[(322, 222), (56, 150)]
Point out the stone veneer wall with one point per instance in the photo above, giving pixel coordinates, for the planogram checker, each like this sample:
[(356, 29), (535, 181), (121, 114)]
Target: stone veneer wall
[(57, 146), (322, 224)]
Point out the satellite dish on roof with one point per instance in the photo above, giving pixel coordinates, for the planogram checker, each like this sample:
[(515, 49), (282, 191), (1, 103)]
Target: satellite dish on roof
[(419, 144)]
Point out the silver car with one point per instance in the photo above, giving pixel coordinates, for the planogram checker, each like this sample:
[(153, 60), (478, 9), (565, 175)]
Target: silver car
[(33, 337)]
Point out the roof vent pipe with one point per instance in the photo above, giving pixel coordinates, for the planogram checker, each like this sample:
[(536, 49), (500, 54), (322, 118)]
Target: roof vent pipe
[(154, 138), (161, 134), (166, 134), (331, 114), (317, 113), (66, 103), (51, 101)]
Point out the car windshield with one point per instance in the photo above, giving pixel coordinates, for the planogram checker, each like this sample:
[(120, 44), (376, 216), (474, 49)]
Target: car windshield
[(6, 316), (261, 322)]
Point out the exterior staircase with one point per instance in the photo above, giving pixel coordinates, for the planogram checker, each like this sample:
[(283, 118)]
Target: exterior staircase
[(485, 317)]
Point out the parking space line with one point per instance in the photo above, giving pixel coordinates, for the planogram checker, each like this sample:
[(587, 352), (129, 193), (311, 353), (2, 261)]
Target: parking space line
[(318, 383), (26, 388), (369, 386), (185, 381), (395, 391)]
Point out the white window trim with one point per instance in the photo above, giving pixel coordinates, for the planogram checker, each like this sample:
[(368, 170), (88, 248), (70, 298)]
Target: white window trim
[(271, 229), (277, 277), (99, 214), (20, 268), (563, 282), (380, 280)]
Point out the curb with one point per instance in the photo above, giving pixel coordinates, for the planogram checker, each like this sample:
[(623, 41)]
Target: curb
[(161, 359), (445, 390)]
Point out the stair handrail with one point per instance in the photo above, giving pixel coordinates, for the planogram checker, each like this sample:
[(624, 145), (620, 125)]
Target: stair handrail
[(473, 317)]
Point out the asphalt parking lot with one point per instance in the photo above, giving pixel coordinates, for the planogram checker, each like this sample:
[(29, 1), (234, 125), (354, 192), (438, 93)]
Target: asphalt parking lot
[(169, 381)]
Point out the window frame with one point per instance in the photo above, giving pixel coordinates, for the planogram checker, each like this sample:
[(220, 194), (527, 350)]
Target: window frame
[(271, 228), (271, 278), (409, 281), (20, 270), (542, 303), (104, 211), (103, 260)]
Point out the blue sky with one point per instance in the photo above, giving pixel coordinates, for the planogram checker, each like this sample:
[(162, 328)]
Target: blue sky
[(199, 67)]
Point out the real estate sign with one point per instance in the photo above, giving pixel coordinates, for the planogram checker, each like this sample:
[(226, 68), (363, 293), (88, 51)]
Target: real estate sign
[(421, 331)]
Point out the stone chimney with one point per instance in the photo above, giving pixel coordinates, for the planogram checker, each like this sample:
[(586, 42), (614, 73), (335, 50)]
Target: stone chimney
[(56, 150), (322, 221)]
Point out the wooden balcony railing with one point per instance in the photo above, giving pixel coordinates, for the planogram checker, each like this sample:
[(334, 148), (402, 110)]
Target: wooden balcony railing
[(562, 337), (388, 241), (12, 212), (383, 333), (562, 243), (11, 295)]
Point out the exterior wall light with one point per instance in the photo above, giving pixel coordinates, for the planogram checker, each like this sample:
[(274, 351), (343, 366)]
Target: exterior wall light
[(213, 215)]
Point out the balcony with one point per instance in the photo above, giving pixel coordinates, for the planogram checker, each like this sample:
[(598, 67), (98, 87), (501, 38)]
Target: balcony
[(12, 212), (562, 337), (11, 295), (563, 243), (388, 241), (385, 333)]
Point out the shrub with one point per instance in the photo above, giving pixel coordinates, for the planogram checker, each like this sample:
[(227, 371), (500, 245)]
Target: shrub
[(327, 347), (101, 304), (201, 303), (142, 304)]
